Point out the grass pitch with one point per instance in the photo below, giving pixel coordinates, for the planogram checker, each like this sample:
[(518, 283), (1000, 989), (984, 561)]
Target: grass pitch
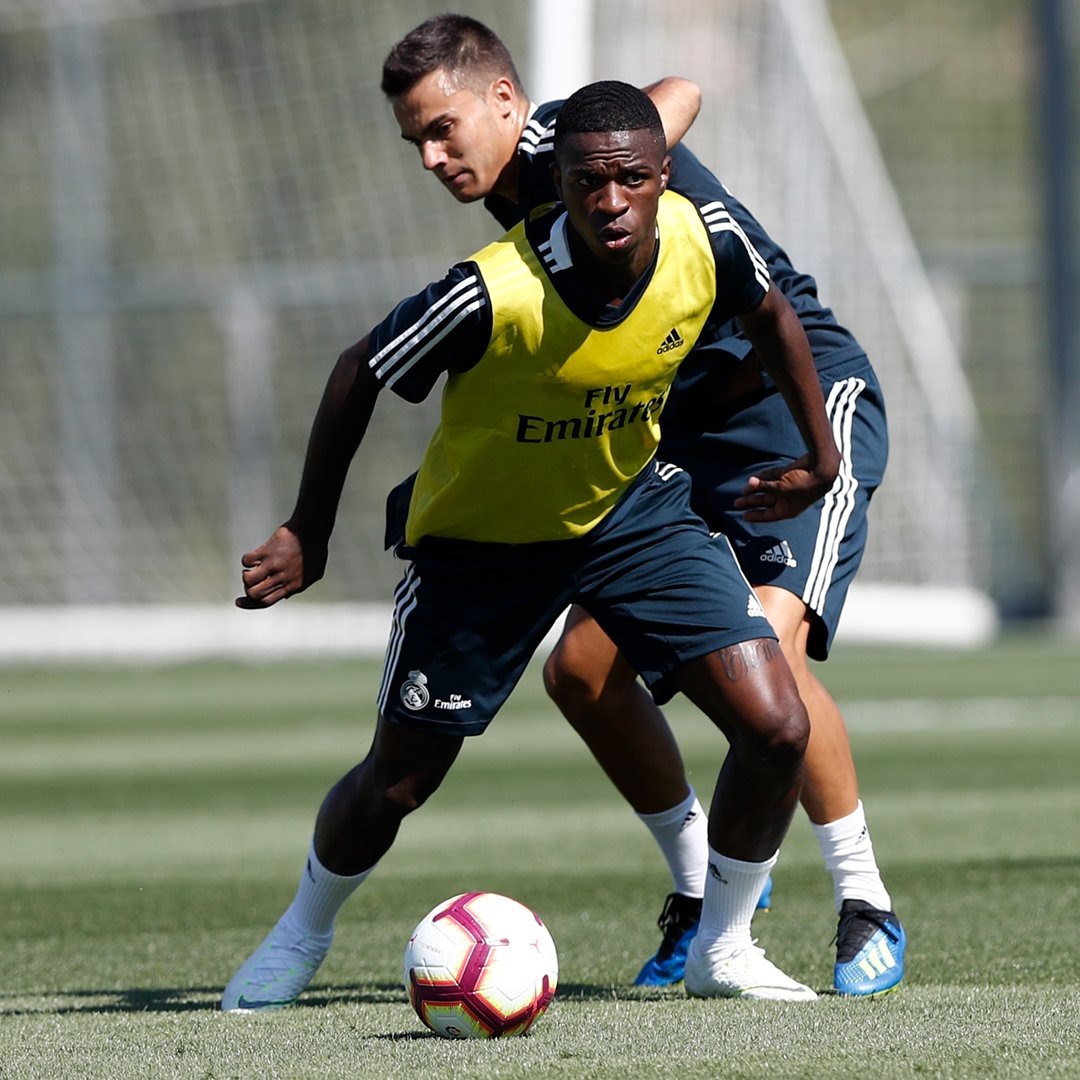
[(153, 824)]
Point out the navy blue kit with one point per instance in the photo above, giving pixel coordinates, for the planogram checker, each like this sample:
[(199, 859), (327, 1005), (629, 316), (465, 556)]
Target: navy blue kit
[(541, 488)]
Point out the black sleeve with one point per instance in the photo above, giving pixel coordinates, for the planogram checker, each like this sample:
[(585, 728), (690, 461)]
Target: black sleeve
[(742, 277), (445, 328)]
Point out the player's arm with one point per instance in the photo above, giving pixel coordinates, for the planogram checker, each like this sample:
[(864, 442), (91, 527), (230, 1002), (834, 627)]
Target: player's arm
[(446, 327), (780, 343), (294, 557), (678, 101)]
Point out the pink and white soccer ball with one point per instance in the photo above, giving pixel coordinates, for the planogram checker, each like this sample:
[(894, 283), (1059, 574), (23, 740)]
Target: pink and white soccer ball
[(480, 966)]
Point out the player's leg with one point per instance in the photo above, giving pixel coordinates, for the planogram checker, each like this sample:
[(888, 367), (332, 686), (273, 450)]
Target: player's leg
[(748, 691), (359, 818), (682, 613), (806, 566), (830, 789), (598, 692), (802, 570), (464, 628), (870, 938), (356, 826)]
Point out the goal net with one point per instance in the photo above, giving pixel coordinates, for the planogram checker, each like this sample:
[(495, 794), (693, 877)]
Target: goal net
[(206, 200)]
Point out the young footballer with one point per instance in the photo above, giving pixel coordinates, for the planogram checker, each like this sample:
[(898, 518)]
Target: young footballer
[(541, 488)]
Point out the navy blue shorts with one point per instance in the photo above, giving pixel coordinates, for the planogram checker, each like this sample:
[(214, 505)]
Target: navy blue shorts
[(815, 556), (469, 616)]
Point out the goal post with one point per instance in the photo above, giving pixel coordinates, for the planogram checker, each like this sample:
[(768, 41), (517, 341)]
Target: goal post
[(782, 125)]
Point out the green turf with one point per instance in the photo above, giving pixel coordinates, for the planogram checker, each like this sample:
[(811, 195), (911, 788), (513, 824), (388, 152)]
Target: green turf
[(153, 822)]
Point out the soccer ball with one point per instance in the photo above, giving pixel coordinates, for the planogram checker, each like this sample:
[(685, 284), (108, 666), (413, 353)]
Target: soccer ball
[(480, 965)]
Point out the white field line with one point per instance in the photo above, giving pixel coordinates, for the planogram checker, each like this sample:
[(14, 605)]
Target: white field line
[(963, 714), (164, 752)]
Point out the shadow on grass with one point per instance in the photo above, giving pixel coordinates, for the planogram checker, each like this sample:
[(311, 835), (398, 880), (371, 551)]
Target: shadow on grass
[(142, 999), (366, 994), (182, 999)]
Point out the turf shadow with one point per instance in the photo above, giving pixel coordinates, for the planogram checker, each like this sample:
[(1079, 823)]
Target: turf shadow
[(184, 999), (111, 1000)]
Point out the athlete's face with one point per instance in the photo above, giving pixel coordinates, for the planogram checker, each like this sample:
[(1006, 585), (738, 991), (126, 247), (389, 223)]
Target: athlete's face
[(466, 137), (611, 183)]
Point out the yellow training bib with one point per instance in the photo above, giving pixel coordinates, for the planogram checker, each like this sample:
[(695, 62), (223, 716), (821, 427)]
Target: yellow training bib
[(539, 440)]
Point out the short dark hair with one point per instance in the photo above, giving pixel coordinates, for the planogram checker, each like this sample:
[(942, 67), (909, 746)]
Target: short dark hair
[(607, 106), (466, 49)]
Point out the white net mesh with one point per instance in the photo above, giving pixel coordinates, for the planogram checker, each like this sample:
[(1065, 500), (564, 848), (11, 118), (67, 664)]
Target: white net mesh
[(203, 202), (783, 128)]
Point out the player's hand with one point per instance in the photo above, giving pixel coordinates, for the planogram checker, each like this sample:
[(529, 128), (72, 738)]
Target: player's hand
[(782, 492), (285, 565)]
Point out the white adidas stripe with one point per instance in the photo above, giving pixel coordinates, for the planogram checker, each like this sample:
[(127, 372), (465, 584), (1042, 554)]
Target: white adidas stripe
[(717, 218), (878, 960), (761, 270), (536, 138), (404, 603), (840, 501), (467, 283), (716, 213), (546, 146), (433, 341), (555, 251), (417, 340), (734, 560)]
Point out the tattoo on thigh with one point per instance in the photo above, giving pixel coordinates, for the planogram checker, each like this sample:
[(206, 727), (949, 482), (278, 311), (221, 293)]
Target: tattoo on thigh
[(746, 657)]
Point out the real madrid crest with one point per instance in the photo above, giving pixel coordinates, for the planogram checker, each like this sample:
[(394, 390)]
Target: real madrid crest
[(414, 691)]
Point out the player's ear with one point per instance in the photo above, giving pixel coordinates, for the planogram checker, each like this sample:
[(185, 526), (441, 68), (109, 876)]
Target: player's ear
[(665, 173), (503, 95)]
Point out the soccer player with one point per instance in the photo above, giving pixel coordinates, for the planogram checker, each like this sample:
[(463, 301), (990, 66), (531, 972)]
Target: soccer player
[(457, 97), (541, 488)]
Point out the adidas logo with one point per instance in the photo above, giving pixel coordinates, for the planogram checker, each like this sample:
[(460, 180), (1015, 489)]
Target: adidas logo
[(877, 959), (780, 553), (672, 341), (715, 871)]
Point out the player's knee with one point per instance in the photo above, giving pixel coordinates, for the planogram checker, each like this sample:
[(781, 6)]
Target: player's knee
[(569, 683), (385, 795), (400, 799), (777, 742)]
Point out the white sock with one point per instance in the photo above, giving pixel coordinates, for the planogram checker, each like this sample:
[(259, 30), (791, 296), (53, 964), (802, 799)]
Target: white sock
[(319, 897), (732, 889), (682, 833), (849, 857)]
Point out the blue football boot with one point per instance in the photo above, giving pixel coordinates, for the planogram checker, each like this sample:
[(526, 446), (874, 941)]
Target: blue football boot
[(764, 902), (870, 947), (678, 923)]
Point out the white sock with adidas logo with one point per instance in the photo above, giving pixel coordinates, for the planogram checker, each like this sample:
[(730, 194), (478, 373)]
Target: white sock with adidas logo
[(849, 858), (732, 888), (320, 896), (682, 834)]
